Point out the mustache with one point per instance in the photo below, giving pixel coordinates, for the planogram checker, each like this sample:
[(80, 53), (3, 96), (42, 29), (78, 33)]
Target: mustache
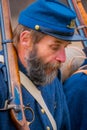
[(40, 64), (52, 66), (34, 58)]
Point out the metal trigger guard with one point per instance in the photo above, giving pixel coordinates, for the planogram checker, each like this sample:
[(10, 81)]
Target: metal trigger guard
[(33, 116)]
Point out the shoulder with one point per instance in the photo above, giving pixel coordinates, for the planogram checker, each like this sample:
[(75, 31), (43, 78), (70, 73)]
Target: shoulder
[(76, 79), (75, 87)]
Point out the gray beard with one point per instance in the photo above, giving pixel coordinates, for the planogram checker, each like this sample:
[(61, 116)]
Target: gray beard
[(36, 70)]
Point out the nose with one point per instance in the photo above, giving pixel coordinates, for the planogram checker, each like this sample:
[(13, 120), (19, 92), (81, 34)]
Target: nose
[(61, 56)]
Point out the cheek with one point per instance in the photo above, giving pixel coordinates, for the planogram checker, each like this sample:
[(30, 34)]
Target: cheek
[(45, 54), (48, 58)]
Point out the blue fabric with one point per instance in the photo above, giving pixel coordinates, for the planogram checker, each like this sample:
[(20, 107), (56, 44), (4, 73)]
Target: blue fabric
[(54, 98), (75, 89)]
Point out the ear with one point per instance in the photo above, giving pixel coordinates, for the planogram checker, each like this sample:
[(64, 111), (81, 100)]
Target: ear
[(25, 38), (24, 46)]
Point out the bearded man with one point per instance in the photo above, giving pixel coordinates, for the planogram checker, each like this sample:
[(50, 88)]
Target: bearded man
[(44, 30)]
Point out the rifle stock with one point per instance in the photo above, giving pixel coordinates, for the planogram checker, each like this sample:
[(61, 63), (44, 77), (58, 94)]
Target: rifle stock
[(10, 59)]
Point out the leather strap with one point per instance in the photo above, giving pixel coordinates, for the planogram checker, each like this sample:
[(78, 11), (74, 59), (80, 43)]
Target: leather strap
[(79, 71), (37, 95)]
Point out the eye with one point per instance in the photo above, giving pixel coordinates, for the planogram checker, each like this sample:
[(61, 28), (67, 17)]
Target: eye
[(54, 47)]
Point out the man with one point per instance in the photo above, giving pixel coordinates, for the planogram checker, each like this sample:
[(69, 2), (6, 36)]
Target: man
[(75, 88), (45, 28)]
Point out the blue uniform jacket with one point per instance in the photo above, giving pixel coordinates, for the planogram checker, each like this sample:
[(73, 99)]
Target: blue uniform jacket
[(75, 89), (54, 99)]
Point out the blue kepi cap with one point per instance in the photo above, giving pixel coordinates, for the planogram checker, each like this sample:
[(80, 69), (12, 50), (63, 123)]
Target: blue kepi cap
[(51, 17)]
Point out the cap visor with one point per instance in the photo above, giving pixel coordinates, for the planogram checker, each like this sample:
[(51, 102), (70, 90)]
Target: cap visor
[(75, 37)]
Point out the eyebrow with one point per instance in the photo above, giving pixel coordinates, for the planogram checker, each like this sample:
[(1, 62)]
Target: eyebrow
[(62, 41)]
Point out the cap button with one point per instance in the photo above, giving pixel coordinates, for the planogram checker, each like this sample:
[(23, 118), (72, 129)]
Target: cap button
[(37, 27)]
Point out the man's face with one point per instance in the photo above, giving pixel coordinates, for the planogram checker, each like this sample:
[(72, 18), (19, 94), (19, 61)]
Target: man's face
[(45, 59)]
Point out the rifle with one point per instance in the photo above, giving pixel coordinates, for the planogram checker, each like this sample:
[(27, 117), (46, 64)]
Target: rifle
[(81, 26), (14, 102)]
